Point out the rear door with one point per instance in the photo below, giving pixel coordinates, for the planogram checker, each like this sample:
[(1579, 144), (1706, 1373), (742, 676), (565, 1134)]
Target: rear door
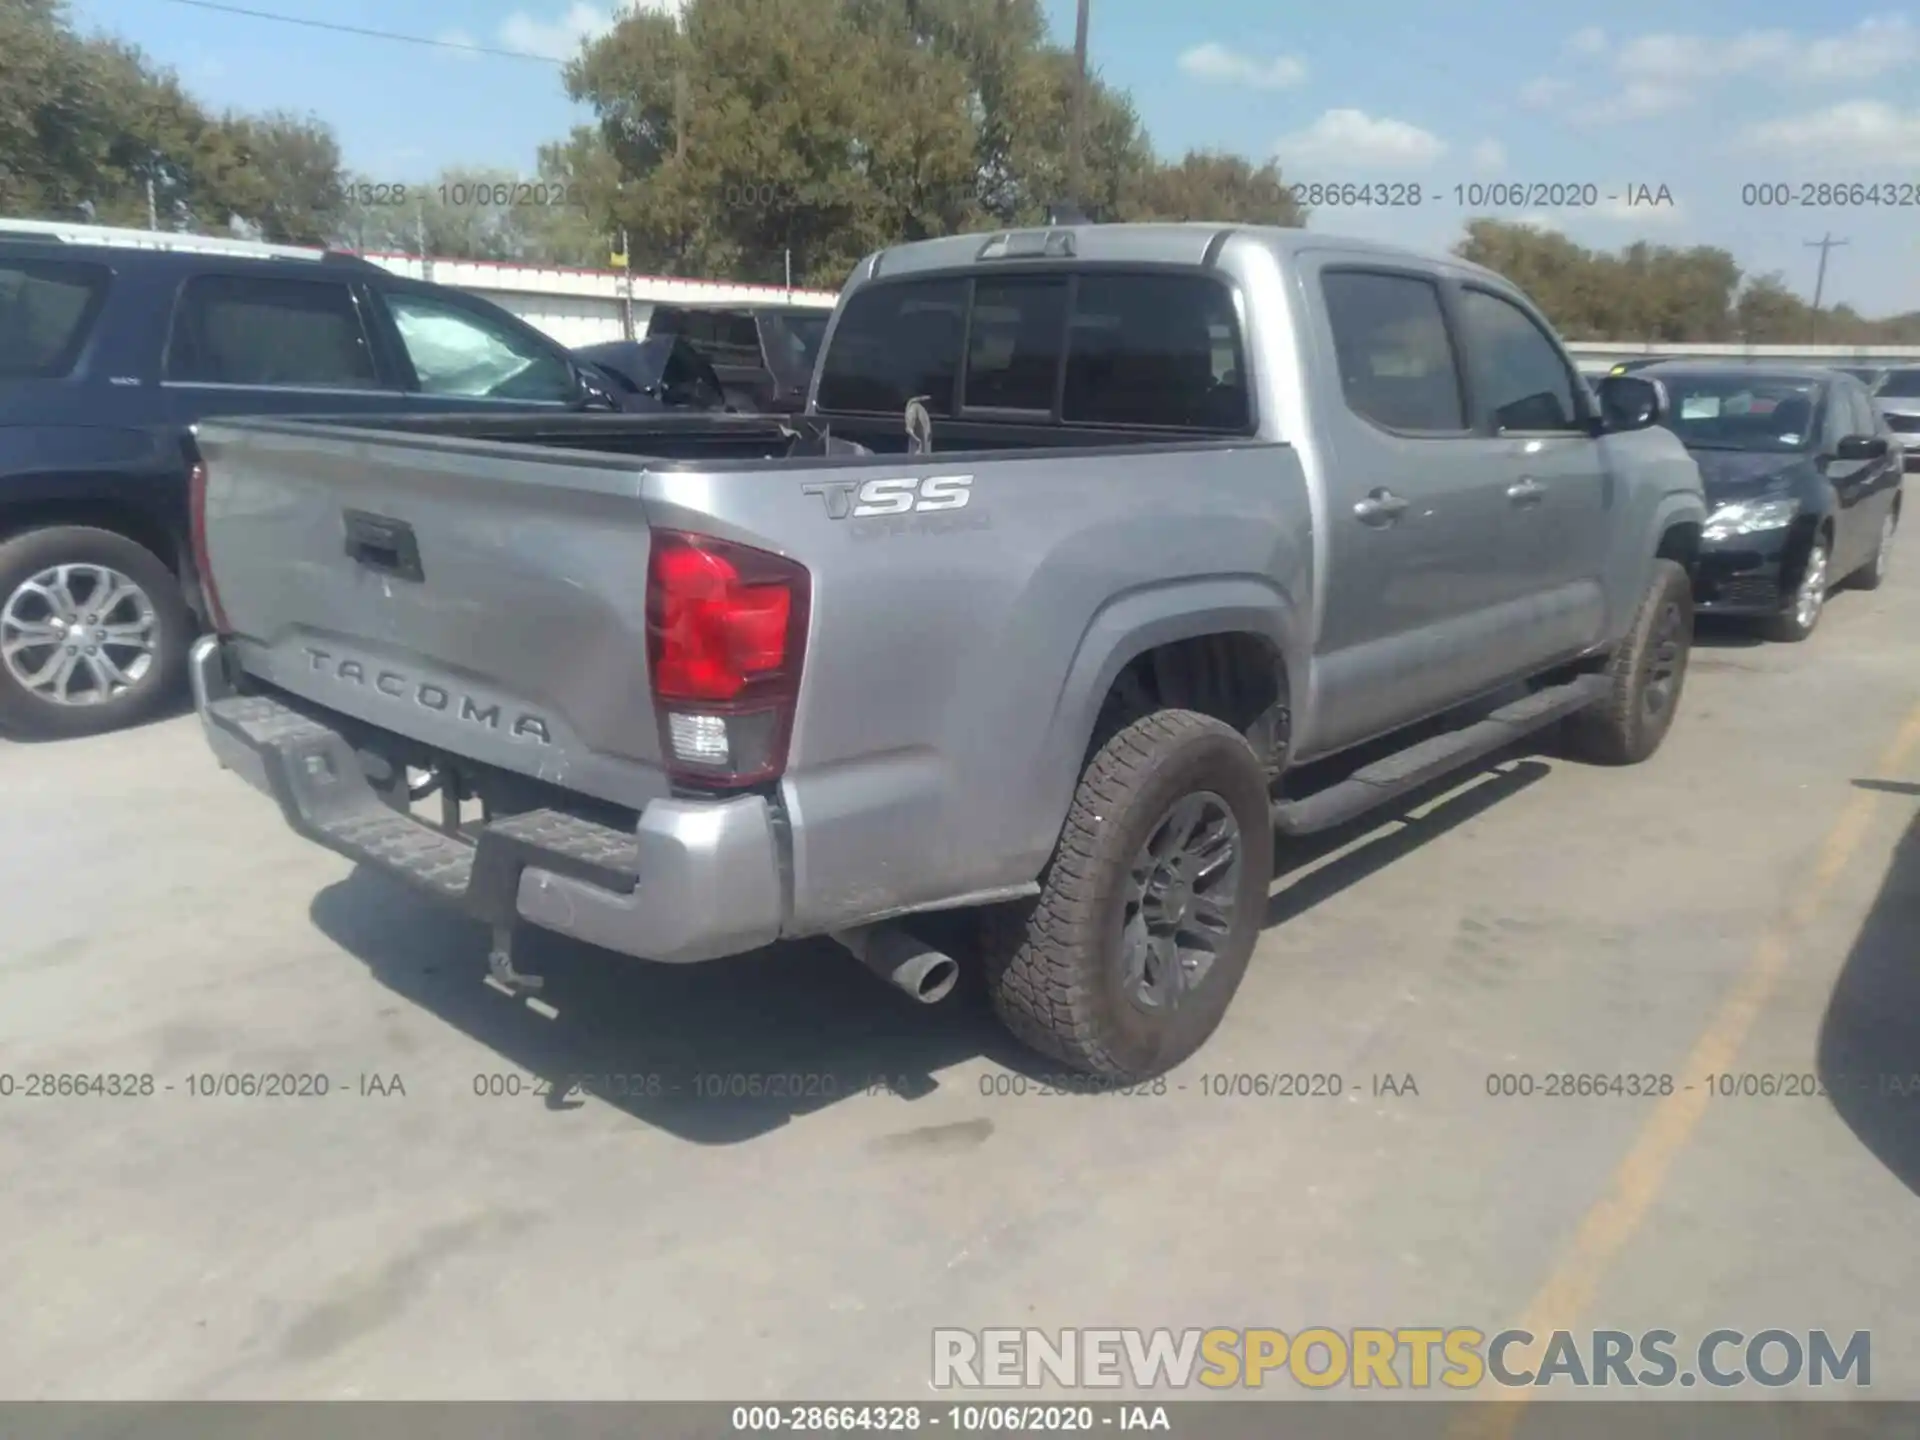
[(1537, 441), (1864, 489), (1410, 612), (263, 343)]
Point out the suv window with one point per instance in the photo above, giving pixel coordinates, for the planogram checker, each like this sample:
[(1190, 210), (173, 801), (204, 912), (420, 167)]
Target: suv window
[(1158, 350), (459, 351), (258, 330), (47, 310), (1014, 340), (893, 342), (1529, 386), (1396, 361), (1900, 385)]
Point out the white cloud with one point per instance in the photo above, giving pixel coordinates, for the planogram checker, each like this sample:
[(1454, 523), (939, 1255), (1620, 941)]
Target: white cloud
[(1668, 71), (1216, 62), (1590, 41), (1540, 93), (1490, 157), (1637, 100), (1873, 47), (1621, 209), (560, 38), (1538, 220), (1854, 133), (1342, 141)]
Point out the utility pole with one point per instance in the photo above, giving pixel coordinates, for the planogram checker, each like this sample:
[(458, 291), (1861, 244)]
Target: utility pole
[(1077, 137), (153, 212), (1823, 245)]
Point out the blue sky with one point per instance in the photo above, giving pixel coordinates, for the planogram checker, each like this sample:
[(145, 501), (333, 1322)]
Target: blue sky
[(1703, 99)]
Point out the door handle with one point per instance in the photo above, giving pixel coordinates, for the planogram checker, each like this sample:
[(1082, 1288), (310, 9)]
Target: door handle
[(1381, 507), (1527, 491)]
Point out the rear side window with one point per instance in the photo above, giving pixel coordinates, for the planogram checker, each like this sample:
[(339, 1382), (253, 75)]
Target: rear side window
[(47, 310), (1013, 343), (721, 337), (251, 330), (1156, 350), (1396, 362), (894, 342)]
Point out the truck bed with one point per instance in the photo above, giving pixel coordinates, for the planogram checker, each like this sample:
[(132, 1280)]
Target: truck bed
[(478, 588)]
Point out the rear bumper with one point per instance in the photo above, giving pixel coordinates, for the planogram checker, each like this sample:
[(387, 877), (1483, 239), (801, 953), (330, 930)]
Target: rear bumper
[(695, 880)]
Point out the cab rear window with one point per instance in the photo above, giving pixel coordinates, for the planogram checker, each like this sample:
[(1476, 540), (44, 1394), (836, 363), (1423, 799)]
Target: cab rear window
[(47, 311), (1130, 349)]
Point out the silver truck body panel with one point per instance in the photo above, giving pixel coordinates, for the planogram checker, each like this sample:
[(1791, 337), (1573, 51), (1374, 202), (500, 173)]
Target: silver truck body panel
[(955, 662)]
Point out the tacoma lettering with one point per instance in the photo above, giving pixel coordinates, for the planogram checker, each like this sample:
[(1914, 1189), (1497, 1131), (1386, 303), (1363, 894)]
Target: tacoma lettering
[(429, 696)]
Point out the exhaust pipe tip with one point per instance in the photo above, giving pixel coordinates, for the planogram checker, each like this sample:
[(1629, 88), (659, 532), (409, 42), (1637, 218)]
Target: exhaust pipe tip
[(903, 960), (936, 980)]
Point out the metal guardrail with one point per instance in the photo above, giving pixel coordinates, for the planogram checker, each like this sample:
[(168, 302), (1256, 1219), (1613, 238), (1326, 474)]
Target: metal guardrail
[(1600, 354)]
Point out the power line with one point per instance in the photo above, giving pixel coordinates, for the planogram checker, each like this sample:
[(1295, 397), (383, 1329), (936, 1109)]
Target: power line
[(459, 45)]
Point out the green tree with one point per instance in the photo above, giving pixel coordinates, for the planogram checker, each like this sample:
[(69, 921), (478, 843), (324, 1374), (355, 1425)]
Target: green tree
[(1206, 185), (90, 128)]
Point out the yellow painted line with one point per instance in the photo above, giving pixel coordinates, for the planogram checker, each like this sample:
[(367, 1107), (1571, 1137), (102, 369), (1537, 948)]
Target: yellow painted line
[(1613, 1220)]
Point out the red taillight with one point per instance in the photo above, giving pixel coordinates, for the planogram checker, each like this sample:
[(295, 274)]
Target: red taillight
[(197, 513), (726, 628)]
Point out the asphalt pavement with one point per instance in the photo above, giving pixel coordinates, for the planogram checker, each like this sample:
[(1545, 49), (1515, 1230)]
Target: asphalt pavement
[(774, 1178)]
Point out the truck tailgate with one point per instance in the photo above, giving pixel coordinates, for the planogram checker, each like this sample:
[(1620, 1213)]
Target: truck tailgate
[(472, 595)]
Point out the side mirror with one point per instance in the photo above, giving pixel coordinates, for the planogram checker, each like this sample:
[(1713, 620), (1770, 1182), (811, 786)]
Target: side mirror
[(1632, 402), (1861, 447)]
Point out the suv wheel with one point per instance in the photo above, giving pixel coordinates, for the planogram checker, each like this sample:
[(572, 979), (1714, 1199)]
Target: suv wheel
[(1149, 909), (93, 633), (1646, 673)]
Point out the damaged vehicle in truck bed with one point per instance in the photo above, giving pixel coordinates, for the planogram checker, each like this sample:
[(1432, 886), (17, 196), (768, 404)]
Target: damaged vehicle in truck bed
[(1088, 539)]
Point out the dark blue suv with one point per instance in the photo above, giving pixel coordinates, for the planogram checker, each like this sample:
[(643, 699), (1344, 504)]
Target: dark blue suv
[(109, 352)]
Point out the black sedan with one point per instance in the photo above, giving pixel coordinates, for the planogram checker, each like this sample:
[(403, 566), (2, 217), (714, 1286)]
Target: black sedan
[(662, 372), (1803, 487)]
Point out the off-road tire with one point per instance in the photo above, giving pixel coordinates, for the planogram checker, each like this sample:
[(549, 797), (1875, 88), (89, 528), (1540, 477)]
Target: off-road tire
[(1053, 966), (26, 714), (1620, 729)]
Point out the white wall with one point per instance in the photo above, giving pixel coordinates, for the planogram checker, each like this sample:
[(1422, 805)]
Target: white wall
[(582, 307)]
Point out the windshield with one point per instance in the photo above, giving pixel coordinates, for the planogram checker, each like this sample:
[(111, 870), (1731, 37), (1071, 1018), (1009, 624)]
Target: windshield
[(1740, 412), (1900, 385)]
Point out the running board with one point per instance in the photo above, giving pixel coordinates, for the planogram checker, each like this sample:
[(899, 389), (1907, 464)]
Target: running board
[(1407, 770)]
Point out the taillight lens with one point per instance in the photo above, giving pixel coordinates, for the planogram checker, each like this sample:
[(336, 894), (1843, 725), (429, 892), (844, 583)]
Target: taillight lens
[(726, 628), (197, 513)]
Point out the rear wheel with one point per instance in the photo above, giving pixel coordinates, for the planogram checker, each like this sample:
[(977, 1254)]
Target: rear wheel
[(93, 633), (1646, 675), (1150, 907), (1809, 603)]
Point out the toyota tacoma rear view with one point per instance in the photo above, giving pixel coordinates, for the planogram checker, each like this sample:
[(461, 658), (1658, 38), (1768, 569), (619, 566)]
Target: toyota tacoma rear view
[(1088, 539)]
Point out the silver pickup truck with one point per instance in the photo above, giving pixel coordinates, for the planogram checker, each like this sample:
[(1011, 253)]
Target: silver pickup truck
[(1087, 540)]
